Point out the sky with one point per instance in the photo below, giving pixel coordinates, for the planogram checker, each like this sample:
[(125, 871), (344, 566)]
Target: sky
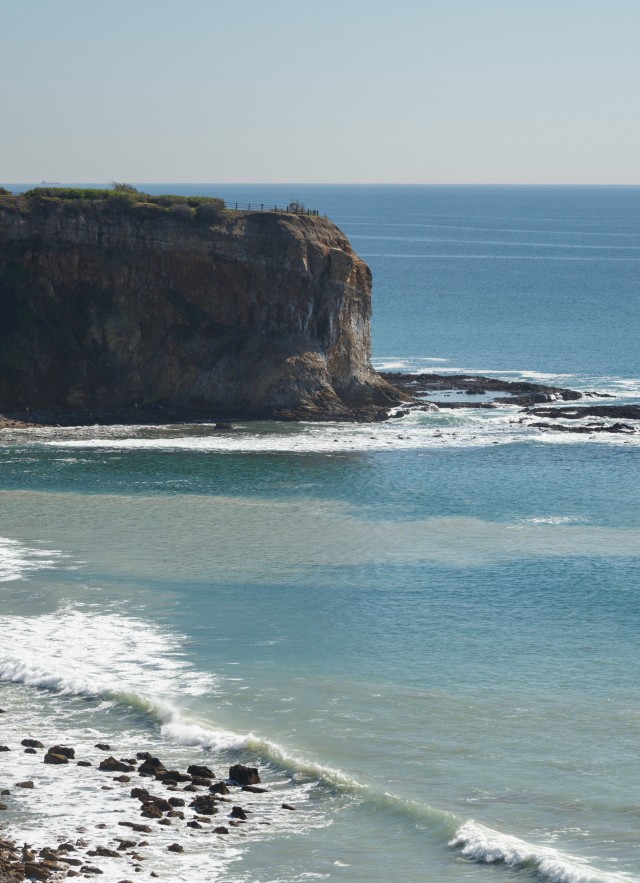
[(320, 91)]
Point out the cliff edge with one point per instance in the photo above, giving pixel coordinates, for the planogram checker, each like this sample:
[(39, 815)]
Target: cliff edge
[(111, 304)]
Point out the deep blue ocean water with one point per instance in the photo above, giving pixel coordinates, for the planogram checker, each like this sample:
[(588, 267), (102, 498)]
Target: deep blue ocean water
[(424, 632)]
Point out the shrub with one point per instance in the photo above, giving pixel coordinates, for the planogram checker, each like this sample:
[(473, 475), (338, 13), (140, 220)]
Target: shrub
[(123, 188), (210, 210), (181, 211), (4, 191)]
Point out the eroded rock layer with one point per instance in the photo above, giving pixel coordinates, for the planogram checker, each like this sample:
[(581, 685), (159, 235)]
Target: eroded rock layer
[(258, 314)]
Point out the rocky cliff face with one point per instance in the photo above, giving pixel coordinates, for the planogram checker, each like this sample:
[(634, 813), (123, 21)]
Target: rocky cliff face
[(258, 314)]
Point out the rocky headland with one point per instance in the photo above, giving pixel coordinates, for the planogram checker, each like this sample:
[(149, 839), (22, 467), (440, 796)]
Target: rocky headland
[(122, 307)]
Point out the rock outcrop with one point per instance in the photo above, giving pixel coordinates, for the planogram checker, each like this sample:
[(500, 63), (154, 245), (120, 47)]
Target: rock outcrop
[(106, 305)]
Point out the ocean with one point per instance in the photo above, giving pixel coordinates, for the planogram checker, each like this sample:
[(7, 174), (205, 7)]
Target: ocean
[(424, 632)]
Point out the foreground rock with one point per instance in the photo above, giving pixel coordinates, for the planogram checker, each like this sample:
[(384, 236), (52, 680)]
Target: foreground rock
[(112, 309)]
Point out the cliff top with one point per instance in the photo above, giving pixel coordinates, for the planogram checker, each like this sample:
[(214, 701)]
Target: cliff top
[(124, 197)]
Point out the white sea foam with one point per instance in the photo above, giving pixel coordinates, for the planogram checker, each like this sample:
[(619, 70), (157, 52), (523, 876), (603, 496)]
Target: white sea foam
[(485, 845), (17, 560), (127, 662)]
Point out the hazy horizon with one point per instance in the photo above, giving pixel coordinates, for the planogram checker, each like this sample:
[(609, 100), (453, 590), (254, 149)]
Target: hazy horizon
[(423, 92)]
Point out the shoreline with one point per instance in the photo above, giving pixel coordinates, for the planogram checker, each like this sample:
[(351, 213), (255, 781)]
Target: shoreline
[(170, 809), (427, 392)]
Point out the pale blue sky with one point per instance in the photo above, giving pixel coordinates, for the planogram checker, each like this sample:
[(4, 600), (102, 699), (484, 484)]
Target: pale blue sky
[(401, 91)]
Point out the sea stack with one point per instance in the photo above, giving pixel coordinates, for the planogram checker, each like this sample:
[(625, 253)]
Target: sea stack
[(118, 303)]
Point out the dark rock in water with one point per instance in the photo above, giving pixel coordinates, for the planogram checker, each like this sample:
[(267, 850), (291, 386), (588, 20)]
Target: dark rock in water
[(176, 814), (254, 789), (205, 805), (123, 779), (238, 813), (90, 869), (175, 847), (5, 792), (176, 801), (140, 793), (4, 748), (219, 788), (125, 844), (103, 746), (244, 775), (151, 811), (143, 755), (62, 749), (2, 711), (3, 806), (200, 781), (221, 830), (30, 751), (55, 758), (223, 427), (193, 824), (32, 743), (84, 763), (164, 821), (28, 784), (142, 829), (174, 775), (288, 806), (625, 412), (151, 766), (105, 852), (111, 765)]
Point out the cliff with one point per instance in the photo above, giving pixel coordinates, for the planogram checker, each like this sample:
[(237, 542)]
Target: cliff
[(107, 304)]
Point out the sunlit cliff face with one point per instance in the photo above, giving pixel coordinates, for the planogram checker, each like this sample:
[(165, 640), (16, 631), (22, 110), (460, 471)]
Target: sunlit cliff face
[(259, 314)]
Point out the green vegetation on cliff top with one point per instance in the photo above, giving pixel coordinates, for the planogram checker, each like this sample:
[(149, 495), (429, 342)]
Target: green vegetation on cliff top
[(206, 208)]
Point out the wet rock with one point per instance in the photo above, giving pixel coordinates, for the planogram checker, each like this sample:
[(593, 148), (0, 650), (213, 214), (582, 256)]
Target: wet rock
[(55, 758), (3, 806), (126, 844), (254, 789), (64, 750), (30, 751), (32, 743), (193, 824), (140, 793), (84, 763), (176, 801), (151, 811), (202, 772), (4, 748), (238, 813), (174, 775), (150, 766), (36, 871), (205, 805), (176, 814), (5, 792), (142, 829), (90, 869), (103, 746), (200, 782), (289, 807), (111, 765), (66, 847), (221, 830), (165, 822), (219, 788), (175, 847), (123, 779), (106, 852), (143, 755), (244, 775), (28, 784)]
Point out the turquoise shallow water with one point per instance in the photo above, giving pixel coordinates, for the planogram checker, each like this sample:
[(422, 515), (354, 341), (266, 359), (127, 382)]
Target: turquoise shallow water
[(424, 632)]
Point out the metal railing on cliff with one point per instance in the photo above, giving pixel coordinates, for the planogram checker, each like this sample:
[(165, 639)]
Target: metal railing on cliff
[(294, 208)]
